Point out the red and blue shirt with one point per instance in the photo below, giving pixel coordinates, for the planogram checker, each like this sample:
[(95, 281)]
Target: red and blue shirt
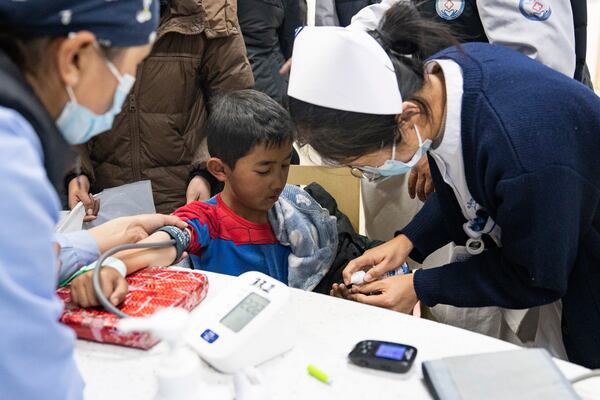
[(226, 243)]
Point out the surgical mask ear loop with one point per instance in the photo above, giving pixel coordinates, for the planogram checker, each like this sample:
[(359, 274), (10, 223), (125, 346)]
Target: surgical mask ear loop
[(114, 70), (71, 94)]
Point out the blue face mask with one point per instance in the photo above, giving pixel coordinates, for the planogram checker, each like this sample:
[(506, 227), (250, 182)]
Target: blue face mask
[(78, 124), (394, 167)]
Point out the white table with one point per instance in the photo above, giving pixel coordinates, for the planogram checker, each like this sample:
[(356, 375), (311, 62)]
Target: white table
[(328, 328)]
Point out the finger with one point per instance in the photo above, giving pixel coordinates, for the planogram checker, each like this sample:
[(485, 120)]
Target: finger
[(176, 221), (120, 291), (73, 200), (412, 182), (378, 300), (96, 205), (88, 291), (286, 67), (359, 263), (75, 295), (379, 270), (375, 286), (344, 291), (107, 283), (421, 187), (88, 202), (82, 299)]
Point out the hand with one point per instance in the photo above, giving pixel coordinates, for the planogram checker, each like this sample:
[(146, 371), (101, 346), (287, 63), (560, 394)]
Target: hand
[(395, 293), (197, 190), (131, 229), (286, 67), (381, 259), (79, 191), (339, 290), (419, 181), (112, 283)]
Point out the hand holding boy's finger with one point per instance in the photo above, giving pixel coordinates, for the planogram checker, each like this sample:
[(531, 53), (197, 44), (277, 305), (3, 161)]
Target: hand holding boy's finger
[(359, 263), (376, 286)]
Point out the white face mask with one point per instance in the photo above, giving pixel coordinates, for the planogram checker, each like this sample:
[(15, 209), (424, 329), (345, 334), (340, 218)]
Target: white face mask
[(394, 167), (78, 124)]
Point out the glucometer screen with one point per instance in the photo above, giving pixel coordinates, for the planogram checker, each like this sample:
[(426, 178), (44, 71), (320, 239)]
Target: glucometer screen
[(389, 351), (244, 312)]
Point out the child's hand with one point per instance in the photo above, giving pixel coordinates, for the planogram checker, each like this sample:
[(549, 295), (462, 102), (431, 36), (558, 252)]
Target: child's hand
[(340, 290), (113, 285)]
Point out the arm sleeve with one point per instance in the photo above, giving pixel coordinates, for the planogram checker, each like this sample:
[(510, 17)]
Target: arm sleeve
[(542, 215), (87, 167), (225, 66), (76, 250), (36, 350), (201, 218), (427, 230), (549, 40), (287, 31)]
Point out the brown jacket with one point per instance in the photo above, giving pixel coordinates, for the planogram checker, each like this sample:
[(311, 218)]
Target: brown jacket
[(159, 134)]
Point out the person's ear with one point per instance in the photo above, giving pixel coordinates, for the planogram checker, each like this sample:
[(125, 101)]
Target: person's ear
[(217, 168), (72, 55), (409, 110)]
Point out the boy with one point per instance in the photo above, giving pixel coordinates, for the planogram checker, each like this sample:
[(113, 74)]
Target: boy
[(250, 140)]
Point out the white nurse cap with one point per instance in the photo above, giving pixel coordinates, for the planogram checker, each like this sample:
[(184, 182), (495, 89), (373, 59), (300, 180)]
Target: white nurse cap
[(345, 70)]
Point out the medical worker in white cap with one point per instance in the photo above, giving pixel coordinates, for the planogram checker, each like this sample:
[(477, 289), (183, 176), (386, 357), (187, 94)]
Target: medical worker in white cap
[(512, 148)]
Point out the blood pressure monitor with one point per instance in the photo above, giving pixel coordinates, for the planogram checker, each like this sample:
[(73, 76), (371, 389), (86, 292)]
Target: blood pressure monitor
[(248, 323)]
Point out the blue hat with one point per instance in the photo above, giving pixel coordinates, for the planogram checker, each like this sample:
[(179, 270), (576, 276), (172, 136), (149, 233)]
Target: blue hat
[(119, 23)]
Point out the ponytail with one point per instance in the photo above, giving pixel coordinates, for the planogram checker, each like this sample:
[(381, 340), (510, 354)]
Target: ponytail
[(410, 39), (343, 136)]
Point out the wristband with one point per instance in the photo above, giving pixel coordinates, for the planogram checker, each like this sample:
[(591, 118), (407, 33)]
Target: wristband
[(111, 262), (181, 236)]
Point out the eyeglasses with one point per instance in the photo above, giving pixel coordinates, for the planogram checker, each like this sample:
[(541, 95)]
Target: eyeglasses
[(372, 174), (365, 174)]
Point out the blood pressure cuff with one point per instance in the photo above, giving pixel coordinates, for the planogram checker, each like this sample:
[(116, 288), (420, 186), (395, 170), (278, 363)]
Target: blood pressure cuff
[(181, 237)]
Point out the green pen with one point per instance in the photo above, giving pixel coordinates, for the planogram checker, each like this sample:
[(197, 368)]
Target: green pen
[(318, 374)]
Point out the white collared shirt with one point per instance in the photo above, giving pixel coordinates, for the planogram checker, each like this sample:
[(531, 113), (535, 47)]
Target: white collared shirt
[(448, 154)]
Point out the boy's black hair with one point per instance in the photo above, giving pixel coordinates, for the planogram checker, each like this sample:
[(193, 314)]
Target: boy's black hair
[(240, 120)]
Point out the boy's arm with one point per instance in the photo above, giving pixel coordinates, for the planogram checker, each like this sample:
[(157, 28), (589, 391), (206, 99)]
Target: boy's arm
[(137, 259), (113, 284)]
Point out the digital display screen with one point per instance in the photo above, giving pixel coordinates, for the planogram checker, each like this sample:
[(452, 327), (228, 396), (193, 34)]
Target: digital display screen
[(244, 312), (389, 351)]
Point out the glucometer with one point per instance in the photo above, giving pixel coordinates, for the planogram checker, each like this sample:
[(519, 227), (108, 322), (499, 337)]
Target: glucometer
[(385, 356)]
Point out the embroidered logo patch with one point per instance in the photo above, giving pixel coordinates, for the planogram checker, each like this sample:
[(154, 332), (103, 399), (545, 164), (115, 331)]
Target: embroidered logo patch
[(449, 9), (535, 10)]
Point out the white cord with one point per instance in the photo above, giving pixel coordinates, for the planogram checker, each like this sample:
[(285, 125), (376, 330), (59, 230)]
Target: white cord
[(595, 373)]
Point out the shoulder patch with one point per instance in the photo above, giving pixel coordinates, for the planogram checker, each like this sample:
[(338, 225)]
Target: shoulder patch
[(535, 10), (449, 9)]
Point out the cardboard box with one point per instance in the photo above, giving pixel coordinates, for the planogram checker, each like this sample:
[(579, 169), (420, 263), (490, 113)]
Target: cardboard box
[(150, 290)]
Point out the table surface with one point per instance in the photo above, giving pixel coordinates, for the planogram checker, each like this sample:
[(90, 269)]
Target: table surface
[(327, 329)]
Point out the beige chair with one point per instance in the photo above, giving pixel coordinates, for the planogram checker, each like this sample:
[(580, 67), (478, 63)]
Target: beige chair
[(339, 182)]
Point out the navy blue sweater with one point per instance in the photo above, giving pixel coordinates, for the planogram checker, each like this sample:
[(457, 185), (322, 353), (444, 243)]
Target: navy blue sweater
[(531, 148)]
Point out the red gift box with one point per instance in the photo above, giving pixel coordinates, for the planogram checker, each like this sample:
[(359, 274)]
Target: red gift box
[(150, 290)]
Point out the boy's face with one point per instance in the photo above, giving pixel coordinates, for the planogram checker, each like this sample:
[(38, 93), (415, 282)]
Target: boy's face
[(257, 180)]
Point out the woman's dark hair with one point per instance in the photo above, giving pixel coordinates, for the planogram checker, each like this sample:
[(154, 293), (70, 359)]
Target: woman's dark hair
[(29, 52), (343, 136)]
